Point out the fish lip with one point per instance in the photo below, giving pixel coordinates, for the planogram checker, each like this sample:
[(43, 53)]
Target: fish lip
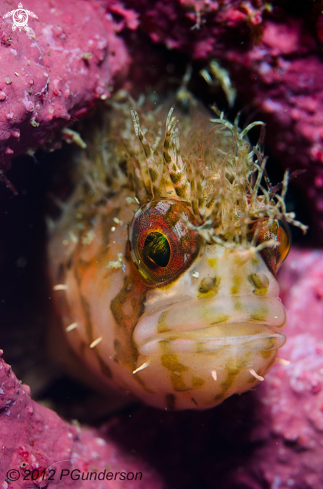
[(150, 330), (184, 301), (186, 341)]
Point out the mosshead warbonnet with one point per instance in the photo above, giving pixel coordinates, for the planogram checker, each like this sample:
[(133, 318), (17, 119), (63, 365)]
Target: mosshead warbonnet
[(165, 258)]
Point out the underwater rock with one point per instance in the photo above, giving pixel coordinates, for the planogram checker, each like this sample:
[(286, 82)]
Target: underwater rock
[(38, 446), (292, 398), (69, 56), (287, 433)]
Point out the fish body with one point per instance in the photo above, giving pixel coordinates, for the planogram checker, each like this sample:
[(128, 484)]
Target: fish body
[(164, 261)]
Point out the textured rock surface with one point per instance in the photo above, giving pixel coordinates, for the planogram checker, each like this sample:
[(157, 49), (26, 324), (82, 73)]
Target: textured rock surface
[(53, 73), (292, 396), (269, 438), (36, 445)]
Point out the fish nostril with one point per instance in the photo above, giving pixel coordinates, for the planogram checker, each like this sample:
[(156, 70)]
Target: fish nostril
[(206, 284), (259, 280), (209, 283)]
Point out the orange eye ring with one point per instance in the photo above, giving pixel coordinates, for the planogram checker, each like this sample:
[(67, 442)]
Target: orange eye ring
[(162, 246), (274, 256)]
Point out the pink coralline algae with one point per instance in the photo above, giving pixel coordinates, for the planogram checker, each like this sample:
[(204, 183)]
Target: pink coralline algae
[(290, 424), (38, 449), (53, 73)]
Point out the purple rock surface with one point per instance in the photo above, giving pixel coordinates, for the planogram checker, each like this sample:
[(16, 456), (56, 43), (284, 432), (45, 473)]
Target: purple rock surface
[(52, 74)]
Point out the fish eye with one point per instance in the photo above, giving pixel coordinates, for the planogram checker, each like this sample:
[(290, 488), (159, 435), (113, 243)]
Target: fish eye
[(274, 256), (162, 245), (157, 249)]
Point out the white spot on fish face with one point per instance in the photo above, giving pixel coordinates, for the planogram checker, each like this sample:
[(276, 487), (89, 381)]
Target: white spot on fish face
[(162, 207), (214, 375), (180, 229)]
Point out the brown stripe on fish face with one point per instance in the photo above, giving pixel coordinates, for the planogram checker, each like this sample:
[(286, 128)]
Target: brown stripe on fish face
[(236, 284), (219, 397), (175, 368), (260, 314), (232, 373), (80, 268), (197, 382), (265, 354), (220, 318), (161, 325), (130, 298)]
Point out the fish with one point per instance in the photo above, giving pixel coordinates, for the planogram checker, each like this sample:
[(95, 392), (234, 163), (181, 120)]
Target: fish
[(164, 261)]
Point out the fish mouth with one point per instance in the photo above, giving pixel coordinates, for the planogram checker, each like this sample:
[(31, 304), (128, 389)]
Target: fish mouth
[(197, 326)]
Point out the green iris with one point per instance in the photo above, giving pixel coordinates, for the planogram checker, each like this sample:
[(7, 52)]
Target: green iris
[(157, 249)]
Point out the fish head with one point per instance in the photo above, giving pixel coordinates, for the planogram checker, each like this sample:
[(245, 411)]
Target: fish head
[(168, 254), (212, 320)]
